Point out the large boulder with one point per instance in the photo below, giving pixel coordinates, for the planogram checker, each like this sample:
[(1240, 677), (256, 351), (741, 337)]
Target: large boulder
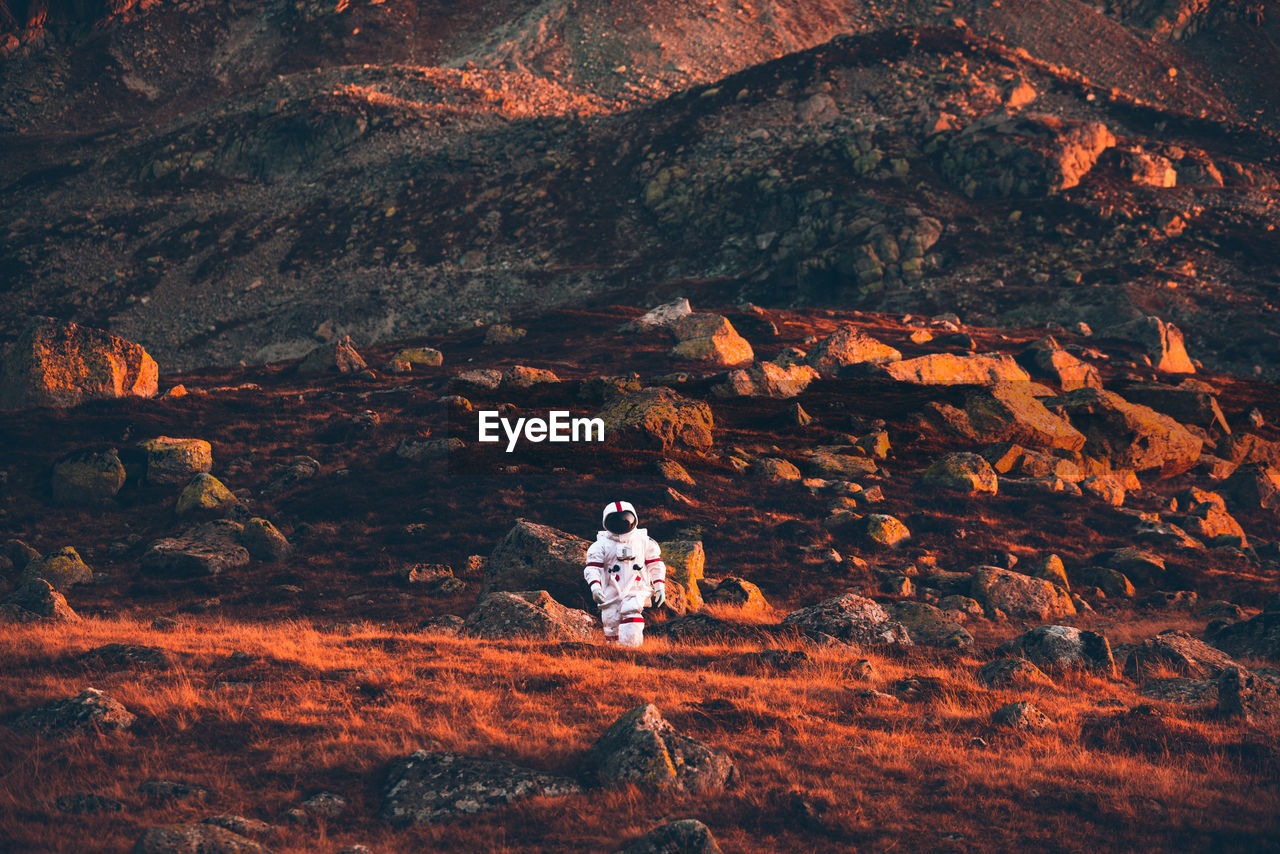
[(955, 369), (1060, 648), (1253, 486), (657, 417), (88, 477), (196, 838), (62, 569), (1048, 360), (35, 600), (929, 626), (1206, 517), (836, 462), (710, 338), (1024, 155), (963, 472), (1129, 435), (1019, 595), (736, 592), (1176, 652), (205, 493), (686, 563), (429, 786), (1256, 637), (641, 748), (538, 557), (56, 363), (1010, 412), (531, 615), (90, 710), (205, 550), (850, 618), (686, 836), (847, 346), (172, 460), (1161, 341), (1244, 694), (767, 379), (1190, 402), (264, 541)]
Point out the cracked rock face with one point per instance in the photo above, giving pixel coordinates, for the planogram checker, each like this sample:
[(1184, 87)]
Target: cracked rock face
[(432, 786), (642, 748)]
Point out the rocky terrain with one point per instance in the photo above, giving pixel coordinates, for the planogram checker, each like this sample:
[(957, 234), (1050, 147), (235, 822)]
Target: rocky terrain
[(233, 182), (935, 342), (923, 572)]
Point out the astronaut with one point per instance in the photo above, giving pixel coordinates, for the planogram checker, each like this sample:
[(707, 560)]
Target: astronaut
[(625, 572)]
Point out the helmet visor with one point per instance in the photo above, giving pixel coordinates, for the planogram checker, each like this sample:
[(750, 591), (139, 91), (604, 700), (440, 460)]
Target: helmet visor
[(620, 523)]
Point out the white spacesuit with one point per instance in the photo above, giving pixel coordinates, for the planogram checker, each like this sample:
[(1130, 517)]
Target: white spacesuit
[(625, 572)]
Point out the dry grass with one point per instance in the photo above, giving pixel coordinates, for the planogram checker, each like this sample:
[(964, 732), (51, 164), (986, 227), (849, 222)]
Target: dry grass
[(821, 769)]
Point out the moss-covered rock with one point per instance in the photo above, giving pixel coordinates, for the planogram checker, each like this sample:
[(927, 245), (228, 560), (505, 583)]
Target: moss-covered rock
[(658, 417), (88, 477), (176, 460), (686, 565), (205, 493), (61, 569), (964, 472)]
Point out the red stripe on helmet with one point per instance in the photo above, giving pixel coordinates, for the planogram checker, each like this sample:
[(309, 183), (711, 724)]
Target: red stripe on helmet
[(618, 504)]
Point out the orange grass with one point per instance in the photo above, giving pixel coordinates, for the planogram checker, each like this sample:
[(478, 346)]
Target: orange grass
[(820, 768)]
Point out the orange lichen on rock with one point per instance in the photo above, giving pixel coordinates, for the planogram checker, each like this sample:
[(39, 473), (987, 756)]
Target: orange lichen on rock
[(56, 363)]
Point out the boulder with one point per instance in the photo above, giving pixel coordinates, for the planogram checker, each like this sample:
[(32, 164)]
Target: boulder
[(56, 363), (847, 346), (661, 317), (205, 493), (887, 531), (531, 615), (1161, 341), (706, 629), (660, 418), (834, 462), (1207, 518), (486, 379), (1129, 435), (738, 593), (264, 541), (686, 565), (1244, 694), (1012, 673), (963, 472), (850, 618), (641, 748), (36, 600), (539, 557), (205, 550), (503, 333), (176, 460), (430, 786), (1046, 359), (1135, 563), (1244, 448), (524, 377), (774, 469), (61, 569), (418, 357), (687, 836), (954, 369), (1253, 486), (88, 477), (124, 656), (196, 838), (1010, 412), (1256, 637), (1176, 652), (90, 710), (710, 338), (1018, 595), (1058, 648), (1022, 716), (766, 379), (929, 626), (338, 357), (1050, 568), (1190, 402)]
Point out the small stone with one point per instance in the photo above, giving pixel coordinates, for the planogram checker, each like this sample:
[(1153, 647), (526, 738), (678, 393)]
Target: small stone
[(887, 531), (1022, 716)]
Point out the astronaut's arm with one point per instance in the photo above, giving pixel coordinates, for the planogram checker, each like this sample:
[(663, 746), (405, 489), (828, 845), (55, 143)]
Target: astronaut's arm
[(653, 565), (595, 566)]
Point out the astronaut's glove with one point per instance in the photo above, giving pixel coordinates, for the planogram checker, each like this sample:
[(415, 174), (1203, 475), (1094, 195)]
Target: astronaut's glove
[(597, 593), (659, 596)]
